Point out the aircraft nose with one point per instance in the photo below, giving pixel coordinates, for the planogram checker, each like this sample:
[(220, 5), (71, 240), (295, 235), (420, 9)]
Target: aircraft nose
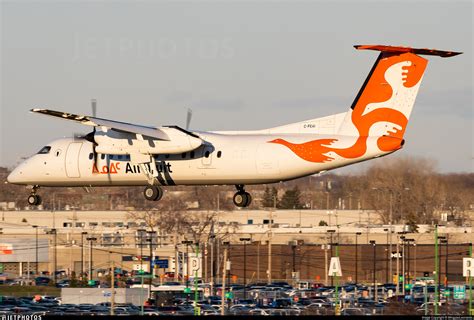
[(14, 176)]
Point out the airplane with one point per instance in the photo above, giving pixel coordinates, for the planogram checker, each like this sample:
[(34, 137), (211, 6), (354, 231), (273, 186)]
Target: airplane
[(124, 154)]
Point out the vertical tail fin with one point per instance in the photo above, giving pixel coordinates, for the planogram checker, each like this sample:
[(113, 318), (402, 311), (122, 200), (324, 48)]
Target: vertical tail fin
[(384, 103)]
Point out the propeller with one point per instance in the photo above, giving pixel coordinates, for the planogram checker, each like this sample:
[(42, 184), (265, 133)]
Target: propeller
[(189, 115), (94, 108), (90, 136)]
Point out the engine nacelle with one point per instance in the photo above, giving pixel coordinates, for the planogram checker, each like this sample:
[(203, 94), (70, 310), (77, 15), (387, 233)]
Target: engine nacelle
[(119, 142)]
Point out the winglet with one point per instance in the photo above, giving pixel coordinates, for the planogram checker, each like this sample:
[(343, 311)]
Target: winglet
[(395, 49)]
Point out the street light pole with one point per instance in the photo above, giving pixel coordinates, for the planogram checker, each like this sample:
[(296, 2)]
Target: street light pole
[(91, 239), (414, 267), (212, 237), (228, 263), (408, 260), (82, 255), (187, 243), (437, 271), (245, 265), (150, 239), (403, 264), (372, 242), (55, 254), (470, 280), (331, 244), (141, 231), (447, 257), (357, 258), (399, 238), (441, 240), (293, 248), (36, 250), (388, 256), (444, 240), (270, 236), (446, 277)]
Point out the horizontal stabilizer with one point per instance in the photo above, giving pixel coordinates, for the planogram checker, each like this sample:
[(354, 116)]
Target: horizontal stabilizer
[(395, 49)]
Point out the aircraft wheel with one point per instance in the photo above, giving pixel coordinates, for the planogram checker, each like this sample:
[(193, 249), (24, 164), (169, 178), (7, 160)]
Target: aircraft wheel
[(34, 200), (153, 193), (242, 199)]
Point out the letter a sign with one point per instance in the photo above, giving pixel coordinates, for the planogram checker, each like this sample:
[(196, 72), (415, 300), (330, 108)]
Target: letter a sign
[(335, 267), (467, 267)]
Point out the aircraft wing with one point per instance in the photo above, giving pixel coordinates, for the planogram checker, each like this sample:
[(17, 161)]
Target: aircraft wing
[(112, 124)]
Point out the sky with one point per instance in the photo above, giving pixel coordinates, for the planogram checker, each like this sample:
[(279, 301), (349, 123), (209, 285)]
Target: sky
[(237, 65)]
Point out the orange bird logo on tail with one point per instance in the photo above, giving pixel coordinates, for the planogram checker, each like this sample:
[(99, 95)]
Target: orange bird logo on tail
[(385, 98)]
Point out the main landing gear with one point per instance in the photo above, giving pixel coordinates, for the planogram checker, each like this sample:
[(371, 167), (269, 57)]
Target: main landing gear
[(153, 193), (33, 198), (242, 198)]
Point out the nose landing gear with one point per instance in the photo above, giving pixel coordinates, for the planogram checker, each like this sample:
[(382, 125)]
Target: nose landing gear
[(33, 198), (153, 193), (242, 198)]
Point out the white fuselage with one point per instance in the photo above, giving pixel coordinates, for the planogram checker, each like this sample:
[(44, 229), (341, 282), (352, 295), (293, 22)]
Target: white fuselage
[(224, 159)]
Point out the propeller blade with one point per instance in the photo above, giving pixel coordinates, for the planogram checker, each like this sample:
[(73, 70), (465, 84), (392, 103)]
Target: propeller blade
[(188, 118), (94, 107)]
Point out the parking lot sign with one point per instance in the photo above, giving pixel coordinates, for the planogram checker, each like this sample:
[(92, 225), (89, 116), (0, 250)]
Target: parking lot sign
[(161, 263), (467, 267), (459, 292), (395, 255), (335, 267)]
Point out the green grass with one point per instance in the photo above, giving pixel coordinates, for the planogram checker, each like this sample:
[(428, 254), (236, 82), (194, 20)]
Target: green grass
[(22, 291)]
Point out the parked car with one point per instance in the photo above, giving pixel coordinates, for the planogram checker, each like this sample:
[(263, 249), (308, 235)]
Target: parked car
[(63, 283), (42, 281)]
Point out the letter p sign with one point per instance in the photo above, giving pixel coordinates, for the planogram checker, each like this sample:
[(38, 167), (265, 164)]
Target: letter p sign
[(468, 267)]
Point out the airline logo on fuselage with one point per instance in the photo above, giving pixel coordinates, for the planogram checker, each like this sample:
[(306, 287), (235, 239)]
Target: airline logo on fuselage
[(161, 167), (116, 167)]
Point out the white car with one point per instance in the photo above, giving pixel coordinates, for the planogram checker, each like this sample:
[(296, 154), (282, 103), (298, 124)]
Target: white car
[(259, 312)]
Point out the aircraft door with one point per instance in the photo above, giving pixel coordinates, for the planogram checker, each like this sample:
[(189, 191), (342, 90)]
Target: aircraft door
[(72, 160), (207, 156), (267, 160)]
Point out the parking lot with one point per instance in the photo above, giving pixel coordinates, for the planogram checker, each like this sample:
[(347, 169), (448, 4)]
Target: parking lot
[(277, 298)]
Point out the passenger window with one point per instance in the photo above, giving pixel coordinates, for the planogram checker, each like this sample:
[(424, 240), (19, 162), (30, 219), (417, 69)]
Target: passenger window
[(120, 157), (45, 150), (183, 155), (219, 154), (91, 156), (167, 156), (206, 154), (102, 156), (191, 154)]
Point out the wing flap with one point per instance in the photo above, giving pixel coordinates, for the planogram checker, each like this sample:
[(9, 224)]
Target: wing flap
[(112, 124)]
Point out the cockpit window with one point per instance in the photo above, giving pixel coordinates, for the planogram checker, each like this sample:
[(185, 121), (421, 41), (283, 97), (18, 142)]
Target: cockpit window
[(45, 150)]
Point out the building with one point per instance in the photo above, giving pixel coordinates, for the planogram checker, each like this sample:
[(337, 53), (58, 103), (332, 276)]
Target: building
[(80, 241)]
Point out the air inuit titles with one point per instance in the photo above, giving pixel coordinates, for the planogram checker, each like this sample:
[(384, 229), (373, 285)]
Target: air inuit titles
[(161, 167)]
